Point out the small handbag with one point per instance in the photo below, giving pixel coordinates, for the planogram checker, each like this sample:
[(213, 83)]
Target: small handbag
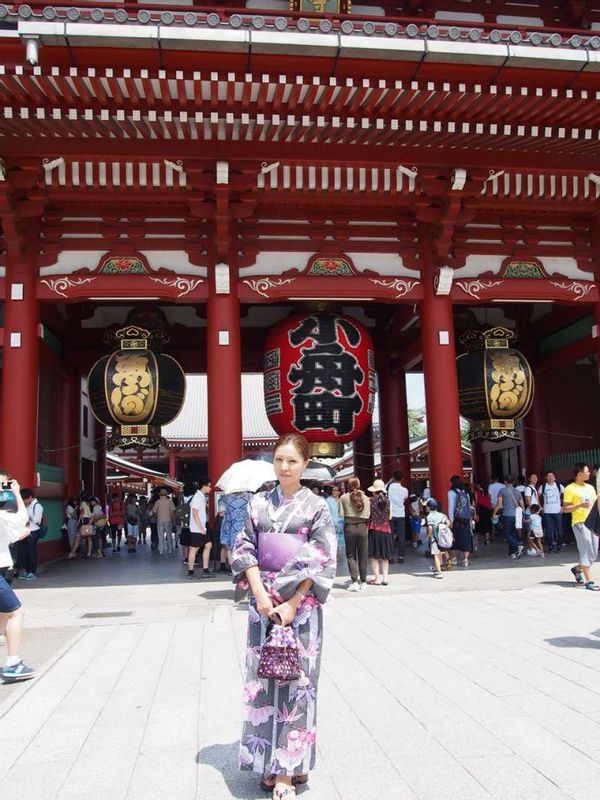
[(279, 655), (86, 530)]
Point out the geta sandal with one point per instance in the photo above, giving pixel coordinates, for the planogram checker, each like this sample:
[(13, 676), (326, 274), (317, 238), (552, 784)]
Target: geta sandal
[(283, 794)]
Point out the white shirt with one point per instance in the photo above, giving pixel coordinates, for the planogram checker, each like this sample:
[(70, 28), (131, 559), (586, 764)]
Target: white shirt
[(398, 495), (11, 527), (35, 511), (199, 503), (531, 493), (551, 493), (494, 490)]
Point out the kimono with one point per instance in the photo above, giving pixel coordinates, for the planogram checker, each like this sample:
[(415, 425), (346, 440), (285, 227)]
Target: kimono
[(293, 539)]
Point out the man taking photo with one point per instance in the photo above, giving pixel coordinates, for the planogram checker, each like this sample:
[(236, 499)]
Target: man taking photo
[(14, 526)]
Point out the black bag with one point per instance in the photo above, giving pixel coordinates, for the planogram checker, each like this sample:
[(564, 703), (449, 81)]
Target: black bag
[(131, 519), (592, 520), (43, 526)]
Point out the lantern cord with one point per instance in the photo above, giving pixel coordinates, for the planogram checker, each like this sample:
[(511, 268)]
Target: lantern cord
[(559, 433)]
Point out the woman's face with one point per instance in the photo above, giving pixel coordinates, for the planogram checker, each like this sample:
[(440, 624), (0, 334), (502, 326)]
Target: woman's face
[(289, 465)]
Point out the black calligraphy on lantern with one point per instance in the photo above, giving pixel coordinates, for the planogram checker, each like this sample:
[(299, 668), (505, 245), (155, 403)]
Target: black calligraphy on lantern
[(326, 375)]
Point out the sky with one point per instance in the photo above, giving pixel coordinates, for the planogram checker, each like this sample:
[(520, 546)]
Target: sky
[(415, 390)]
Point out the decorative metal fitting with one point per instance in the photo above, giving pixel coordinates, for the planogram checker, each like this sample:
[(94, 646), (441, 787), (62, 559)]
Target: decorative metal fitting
[(235, 21), (325, 26), (73, 14), (213, 19), (258, 22), (412, 30), (495, 36), (454, 33), (391, 29), (515, 37), (25, 11), (303, 24), (144, 16), (369, 28), (347, 26), (281, 23), (167, 17), (121, 15), (433, 31), (190, 18), (97, 14)]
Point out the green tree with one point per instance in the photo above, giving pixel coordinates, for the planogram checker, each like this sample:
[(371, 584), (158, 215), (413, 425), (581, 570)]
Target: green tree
[(417, 428)]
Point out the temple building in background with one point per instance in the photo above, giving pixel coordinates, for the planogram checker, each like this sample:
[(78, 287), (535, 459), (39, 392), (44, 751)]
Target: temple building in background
[(428, 170)]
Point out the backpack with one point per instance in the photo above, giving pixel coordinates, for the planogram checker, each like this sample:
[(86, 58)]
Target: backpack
[(43, 528), (443, 536), (183, 513), (462, 507)]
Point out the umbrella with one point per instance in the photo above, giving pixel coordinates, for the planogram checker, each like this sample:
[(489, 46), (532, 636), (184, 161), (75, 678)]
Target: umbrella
[(316, 471), (246, 476)]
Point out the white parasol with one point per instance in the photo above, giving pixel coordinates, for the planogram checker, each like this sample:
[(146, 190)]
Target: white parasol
[(246, 476)]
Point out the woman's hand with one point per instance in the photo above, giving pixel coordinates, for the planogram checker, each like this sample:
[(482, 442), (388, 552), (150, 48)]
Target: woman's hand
[(286, 612), (264, 603)]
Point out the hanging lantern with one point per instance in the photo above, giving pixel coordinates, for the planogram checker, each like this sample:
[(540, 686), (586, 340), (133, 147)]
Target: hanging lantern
[(135, 390), (495, 384), (319, 379)]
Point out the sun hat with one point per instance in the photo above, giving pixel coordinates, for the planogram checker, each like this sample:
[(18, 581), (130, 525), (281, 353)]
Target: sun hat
[(378, 486)]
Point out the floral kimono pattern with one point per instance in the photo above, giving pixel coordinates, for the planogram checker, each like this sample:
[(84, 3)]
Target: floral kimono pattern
[(280, 719)]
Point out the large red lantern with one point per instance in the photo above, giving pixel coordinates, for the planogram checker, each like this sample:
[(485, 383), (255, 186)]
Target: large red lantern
[(319, 379)]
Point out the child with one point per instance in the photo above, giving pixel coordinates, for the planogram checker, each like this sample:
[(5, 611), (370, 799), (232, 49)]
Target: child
[(434, 519), (536, 532), (414, 505)]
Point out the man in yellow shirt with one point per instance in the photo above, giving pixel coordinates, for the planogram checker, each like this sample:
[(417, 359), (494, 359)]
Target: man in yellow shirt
[(578, 499)]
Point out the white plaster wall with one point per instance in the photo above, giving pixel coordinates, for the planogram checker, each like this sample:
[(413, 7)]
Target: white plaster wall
[(275, 263), (175, 260), (477, 265)]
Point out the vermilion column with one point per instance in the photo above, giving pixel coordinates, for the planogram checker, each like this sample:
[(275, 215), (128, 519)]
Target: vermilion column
[(223, 367), (20, 367), (172, 464), (101, 462), (71, 432), (393, 423), (441, 384), (363, 458)]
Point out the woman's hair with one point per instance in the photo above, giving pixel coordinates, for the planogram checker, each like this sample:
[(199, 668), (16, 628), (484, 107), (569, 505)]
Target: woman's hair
[(456, 483), (379, 500), (295, 439), (356, 496)]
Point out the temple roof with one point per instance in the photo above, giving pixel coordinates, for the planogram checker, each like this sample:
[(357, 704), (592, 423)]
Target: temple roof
[(192, 423)]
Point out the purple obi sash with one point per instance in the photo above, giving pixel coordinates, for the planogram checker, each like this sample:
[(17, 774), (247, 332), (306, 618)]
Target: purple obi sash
[(276, 549)]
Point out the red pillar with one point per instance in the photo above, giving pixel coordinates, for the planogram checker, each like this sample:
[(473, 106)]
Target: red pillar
[(364, 462), (71, 433), (172, 463), (20, 367), (393, 423), (441, 384), (100, 489), (224, 379)]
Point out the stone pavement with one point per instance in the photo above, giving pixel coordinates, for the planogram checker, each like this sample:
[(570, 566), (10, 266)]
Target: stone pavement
[(483, 685)]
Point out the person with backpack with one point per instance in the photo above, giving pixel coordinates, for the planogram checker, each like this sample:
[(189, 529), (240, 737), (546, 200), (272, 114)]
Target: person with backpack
[(28, 559), (235, 511), (552, 518), (510, 505), (381, 541), (355, 508), (182, 517), (439, 536), (460, 513)]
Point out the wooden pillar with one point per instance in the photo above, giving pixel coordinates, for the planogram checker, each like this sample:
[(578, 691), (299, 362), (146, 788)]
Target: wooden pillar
[(172, 463), (364, 461), (393, 422), (20, 363), (224, 365), (71, 432), (441, 383), (100, 474)]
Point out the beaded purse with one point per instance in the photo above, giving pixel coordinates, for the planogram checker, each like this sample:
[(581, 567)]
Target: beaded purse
[(279, 655)]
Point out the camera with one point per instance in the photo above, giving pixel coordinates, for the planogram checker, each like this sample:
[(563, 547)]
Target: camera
[(7, 486)]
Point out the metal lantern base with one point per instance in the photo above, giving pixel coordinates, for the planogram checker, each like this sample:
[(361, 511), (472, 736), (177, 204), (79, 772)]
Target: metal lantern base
[(325, 450)]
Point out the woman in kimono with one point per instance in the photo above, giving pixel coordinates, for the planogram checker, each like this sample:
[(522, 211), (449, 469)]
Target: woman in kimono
[(287, 555)]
